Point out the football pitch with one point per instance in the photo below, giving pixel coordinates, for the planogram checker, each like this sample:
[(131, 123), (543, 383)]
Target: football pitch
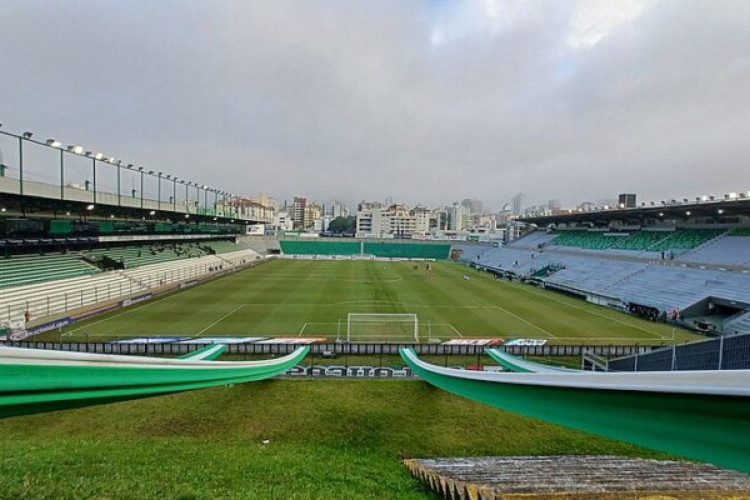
[(304, 298)]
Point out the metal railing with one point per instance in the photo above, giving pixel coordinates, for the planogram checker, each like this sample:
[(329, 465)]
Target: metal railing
[(730, 352), (339, 349)]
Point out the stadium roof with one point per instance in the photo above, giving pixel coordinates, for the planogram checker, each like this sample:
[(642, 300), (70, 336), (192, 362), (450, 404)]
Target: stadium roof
[(680, 211)]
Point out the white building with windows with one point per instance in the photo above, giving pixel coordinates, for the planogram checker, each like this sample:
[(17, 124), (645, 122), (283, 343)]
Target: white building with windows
[(397, 220)]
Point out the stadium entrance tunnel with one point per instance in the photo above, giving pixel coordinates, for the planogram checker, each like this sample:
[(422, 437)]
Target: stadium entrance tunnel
[(712, 313)]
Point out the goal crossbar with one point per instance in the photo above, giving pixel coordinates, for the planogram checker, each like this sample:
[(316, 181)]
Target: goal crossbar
[(380, 325)]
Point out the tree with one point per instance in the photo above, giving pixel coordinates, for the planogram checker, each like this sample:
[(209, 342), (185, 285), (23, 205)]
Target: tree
[(343, 224)]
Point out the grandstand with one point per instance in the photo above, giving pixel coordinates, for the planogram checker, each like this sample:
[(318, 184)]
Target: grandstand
[(663, 284), (21, 270), (700, 270), (675, 241), (50, 298)]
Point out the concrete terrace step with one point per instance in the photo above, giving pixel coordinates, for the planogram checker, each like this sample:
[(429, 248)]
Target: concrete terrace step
[(579, 476)]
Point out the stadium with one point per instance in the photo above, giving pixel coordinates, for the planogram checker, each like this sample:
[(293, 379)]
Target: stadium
[(167, 337)]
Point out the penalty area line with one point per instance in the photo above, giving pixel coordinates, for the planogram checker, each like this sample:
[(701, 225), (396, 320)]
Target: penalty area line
[(221, 319)]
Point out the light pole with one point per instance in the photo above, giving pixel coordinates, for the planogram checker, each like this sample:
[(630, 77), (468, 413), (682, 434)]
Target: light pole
[(158, 188), (151, 172), (26, 135), (140, 171), (184, 183), (98, 156), (174, 193), (119, 198)]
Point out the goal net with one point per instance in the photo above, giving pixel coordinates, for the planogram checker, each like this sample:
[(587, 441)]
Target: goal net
[(362, 327)]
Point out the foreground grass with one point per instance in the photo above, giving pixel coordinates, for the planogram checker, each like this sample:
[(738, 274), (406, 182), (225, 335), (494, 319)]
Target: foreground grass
[(329, 439)]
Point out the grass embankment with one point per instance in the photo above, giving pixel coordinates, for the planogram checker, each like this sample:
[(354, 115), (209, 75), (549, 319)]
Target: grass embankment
[(329, 439)]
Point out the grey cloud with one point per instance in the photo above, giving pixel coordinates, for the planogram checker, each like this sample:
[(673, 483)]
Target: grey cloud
[(343, 99)]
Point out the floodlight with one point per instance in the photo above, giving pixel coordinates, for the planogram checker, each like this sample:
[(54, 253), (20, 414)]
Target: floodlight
[(90, 207), (27, 135), (53, 143)]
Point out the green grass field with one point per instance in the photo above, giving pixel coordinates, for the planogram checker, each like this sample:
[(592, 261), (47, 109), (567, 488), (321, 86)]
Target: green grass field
[(328, 439), (313, 298)]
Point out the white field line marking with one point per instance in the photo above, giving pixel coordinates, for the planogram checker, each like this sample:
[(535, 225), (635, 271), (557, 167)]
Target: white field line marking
[(455, 329), (301, 330), (127, 311), (221, 319), (616, 320), (376, 303), (525, 321), (329, 278), (310, 323), (625, 339)]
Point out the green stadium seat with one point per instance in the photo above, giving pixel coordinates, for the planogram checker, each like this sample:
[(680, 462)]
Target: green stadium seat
[(28, 269), (687, 239), (585, 239)]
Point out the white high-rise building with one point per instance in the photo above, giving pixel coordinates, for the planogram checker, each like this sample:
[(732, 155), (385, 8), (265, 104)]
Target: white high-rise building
[(518, 204), (456, 217), (374, 220)]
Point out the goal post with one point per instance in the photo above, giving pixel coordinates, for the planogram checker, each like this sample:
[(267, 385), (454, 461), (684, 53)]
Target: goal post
[(382, 327)]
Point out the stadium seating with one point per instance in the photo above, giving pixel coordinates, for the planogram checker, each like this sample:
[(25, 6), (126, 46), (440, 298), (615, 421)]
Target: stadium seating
[(640, 240), (55, 297), (585, 239), (27, 269), (637, 241), (141, 255), (46, 299), (304, 247), (471, 252), (165, 273), (533, 240), (687, 239), (407, 250), (739, 323), (642, 282), (224, 246), (731, 250)]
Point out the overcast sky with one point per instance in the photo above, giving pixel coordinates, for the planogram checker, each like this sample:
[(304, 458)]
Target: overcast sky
[(424, 101)]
